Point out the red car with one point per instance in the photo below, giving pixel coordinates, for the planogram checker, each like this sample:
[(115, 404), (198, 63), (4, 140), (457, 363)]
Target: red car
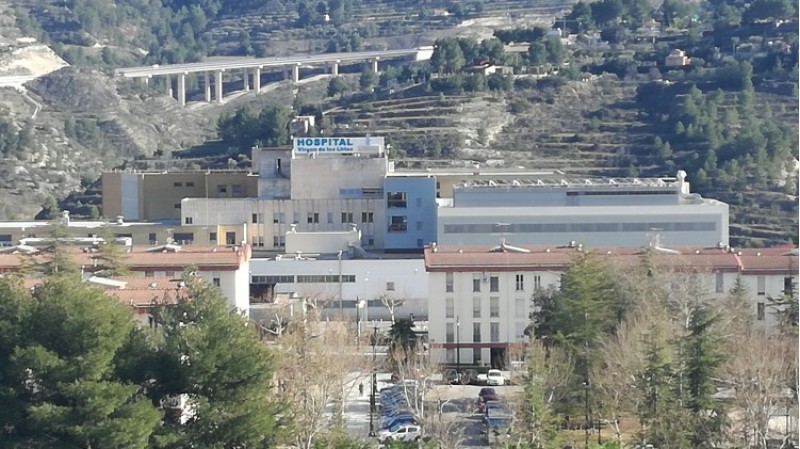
[(486, 395)]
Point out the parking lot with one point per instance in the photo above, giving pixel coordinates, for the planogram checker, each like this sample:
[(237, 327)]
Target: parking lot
[(451, 411)]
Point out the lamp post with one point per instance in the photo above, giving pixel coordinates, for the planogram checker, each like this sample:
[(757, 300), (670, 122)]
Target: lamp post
[(359, 305), (374, 382), (458, 347), (586, 424)]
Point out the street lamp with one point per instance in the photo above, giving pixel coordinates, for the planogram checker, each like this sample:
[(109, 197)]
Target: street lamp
[(374, 382), (359, 305), (458, 347)]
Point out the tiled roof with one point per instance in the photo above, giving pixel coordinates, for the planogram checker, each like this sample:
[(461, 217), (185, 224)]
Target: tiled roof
[(140, 259), (555, 258), (137, 291)]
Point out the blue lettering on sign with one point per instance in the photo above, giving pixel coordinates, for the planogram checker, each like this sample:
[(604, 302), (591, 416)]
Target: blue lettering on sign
[(324, 145)]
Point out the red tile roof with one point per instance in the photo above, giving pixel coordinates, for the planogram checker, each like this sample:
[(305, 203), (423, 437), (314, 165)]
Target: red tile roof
[(542, 258), (137, 291), (218, 258)]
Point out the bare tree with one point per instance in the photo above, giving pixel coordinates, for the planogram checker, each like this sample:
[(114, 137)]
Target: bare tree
[(415, 370), (315, 359), (761, 371), (392, 303)]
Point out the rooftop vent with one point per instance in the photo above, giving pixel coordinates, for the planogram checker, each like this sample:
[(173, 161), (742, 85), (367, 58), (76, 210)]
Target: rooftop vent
[(120, 219)]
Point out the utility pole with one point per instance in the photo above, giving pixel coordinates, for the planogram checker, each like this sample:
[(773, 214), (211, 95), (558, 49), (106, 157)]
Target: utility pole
[(341, 311), (586, 384), (374, 383), (458, 348)]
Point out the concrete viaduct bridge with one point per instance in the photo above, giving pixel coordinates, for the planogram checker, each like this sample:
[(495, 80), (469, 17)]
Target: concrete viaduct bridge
[(250, 67)]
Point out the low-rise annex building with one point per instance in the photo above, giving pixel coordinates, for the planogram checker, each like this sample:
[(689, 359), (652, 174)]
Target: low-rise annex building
[(330, 271), (139, 232), (480, 297), (225, 267)]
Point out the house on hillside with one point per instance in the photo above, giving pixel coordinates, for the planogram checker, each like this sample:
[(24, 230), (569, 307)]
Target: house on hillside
[(677, 58)]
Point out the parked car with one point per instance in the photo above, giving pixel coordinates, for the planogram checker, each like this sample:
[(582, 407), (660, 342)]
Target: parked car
[(400, 432), (451, 376), (495, 409), (392, 421), (486, 391), (470, 377), (495, 377), (486, 398)]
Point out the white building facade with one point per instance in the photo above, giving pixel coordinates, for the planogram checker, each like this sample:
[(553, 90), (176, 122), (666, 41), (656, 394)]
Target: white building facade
[(324, 280), (480, 298), (595, 212)]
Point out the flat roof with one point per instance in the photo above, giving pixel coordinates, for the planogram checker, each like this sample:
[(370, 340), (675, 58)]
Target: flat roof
[(81, 224), (583, 183)]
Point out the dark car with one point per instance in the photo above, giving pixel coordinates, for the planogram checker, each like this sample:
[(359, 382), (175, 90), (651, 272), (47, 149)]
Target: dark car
[(484, 399), (451, 376), (486, 391)]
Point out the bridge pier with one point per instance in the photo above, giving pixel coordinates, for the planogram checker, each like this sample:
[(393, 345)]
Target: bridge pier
[(335, 68), (182, 89), (257, 80), (375, 65), (207, 86), (169, 85), (246, 80), (218, 85), (295, 73)]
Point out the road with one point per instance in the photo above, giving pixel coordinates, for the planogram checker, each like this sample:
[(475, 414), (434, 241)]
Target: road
[(458, 409), (280, 61)]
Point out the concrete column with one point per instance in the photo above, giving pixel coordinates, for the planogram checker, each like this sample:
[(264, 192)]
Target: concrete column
[(246, 80), (375, 65), (257, 80), (335, 69), (207, 86), (295, 73), (169, 85), (182, 89), (218, 85)]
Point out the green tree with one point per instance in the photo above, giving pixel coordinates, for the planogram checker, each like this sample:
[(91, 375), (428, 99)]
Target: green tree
[(305, 15), (58, 386), (672, 10), (111, 256), (337, 86), (786, 309), (209, 354), (57, 261), (368, 79), (548, 370), (582, 312), (770, 9), (700, 357), (273, 126), (50, 209), (402, 335)]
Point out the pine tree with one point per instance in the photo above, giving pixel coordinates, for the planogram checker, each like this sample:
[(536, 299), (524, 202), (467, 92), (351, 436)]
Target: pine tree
[(209, 354), (58, 383), (112, 256), (700, 357), (538, 424)]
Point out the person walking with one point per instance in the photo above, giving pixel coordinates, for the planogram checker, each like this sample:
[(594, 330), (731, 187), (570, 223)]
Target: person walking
[(361, 389)]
